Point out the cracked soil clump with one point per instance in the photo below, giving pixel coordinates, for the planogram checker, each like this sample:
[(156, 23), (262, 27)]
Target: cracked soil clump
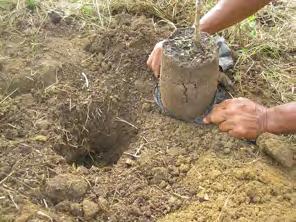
[(189, 75)]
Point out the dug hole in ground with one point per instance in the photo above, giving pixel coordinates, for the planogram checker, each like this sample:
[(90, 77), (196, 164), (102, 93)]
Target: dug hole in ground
[(81, 138)]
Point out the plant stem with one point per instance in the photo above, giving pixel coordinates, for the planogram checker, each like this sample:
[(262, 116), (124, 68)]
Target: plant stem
[(196, 23)]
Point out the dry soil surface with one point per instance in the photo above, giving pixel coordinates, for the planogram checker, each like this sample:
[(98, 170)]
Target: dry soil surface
[(81, 138)]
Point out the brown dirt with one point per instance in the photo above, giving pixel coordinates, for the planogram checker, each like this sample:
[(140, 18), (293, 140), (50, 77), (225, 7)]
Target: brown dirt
[(60, 139), (189, 75)]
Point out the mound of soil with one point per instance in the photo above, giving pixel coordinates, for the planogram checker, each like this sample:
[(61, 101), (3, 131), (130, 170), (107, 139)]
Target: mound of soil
[(91, 146)]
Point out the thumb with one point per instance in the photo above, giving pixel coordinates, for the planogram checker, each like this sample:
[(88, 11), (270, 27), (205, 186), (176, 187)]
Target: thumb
[(207, 119)]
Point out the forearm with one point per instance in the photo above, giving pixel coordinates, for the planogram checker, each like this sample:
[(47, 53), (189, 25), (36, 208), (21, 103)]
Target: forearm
[(281, 119), (229, 12)]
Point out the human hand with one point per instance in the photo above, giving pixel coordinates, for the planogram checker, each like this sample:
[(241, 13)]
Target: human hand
[(239, 117), (154, 60)]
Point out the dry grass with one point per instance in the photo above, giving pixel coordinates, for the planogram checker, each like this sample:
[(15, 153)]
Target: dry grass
[(265, 42)]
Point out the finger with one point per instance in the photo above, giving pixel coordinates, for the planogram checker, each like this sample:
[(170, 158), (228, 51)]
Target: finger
[(157, 67), (206, 120), (149, 61), (154, 68), (216, 116), (225, 102), (226, 126)]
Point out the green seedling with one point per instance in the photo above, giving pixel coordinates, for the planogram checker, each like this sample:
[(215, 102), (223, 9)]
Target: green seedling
[(32, 4)]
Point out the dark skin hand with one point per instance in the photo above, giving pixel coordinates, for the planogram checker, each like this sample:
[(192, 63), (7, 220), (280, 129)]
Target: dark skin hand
[(240, 117), (245, 119)]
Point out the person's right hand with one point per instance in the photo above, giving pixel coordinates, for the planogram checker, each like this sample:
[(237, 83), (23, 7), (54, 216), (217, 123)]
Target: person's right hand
[(154, 60)]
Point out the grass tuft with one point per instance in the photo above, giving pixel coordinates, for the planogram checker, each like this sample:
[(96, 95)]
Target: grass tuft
[(32, 4)]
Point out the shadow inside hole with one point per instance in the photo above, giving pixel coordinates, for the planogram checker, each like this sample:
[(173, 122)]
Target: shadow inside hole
[(100, 149), (93, 139)]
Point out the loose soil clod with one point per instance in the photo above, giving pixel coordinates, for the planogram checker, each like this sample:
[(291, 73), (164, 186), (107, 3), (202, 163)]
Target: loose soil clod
[(189, 75)]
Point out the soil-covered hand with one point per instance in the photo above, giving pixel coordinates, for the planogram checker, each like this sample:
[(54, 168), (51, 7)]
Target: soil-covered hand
[(240, 117), (154, 60)]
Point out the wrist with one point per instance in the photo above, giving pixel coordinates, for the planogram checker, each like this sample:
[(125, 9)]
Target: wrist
[(262, 119), (271, 125)]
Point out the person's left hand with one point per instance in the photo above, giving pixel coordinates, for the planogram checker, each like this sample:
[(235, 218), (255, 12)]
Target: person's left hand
[(240, 117)]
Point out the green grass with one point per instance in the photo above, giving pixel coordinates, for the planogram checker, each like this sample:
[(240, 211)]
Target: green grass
[(32, 4)]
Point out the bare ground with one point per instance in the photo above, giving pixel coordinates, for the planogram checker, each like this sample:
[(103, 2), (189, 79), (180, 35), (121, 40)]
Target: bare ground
[(81, 138)]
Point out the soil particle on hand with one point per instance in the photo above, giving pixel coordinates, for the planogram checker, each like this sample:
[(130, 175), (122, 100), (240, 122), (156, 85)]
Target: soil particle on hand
[(66, 187), (90, 208), (278, 149)]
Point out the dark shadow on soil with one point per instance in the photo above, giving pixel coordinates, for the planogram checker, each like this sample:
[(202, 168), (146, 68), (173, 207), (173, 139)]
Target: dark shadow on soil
[(91, 136)]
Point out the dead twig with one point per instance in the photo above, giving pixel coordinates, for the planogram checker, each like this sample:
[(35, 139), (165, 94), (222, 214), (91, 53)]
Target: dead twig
[(196, 22), (14, 203), (40, 213), (124, 121), (86, 79), (3, 180), (10, 94), (132, 155), (226, 202)]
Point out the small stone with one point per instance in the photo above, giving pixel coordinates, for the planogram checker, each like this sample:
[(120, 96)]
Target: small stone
[(63, 206), (105, 66), (215, 173), (134, 210), (168, 187), (90, 208), (103, 203), (218, 187), (226, 151), (40, 138), (175, 171), (277, 148), (83, 170), (66, 187), (181, 159), (100, 58), (42, 124), (146, 107), (172, 200), (163, 184), (55, 17), (206, 197), (184, 168), (160, 173), (76, 210), (129, 162)]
